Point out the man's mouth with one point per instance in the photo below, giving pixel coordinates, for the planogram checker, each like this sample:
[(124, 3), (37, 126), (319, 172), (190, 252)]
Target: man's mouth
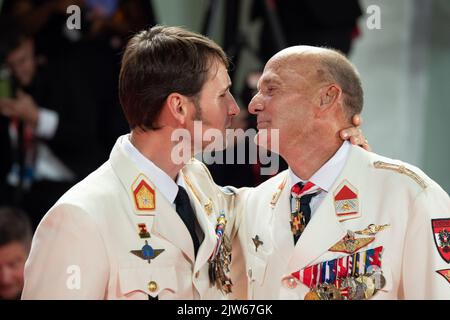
[(262, 124)]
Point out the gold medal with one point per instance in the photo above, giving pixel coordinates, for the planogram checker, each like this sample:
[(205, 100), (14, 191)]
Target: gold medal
[(312, 295)]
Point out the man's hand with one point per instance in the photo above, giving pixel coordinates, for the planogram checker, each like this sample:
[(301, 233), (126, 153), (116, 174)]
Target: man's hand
[(23, 108), (355, 135)]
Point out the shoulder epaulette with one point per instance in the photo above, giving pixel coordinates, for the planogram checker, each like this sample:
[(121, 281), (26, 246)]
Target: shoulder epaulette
[(401, 169)]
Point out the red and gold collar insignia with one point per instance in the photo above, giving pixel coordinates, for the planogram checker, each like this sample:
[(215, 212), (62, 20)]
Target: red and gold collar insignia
[(143, 194), (346, 201)]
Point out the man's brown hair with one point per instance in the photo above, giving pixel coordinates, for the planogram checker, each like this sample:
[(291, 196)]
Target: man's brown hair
[(161, 61)]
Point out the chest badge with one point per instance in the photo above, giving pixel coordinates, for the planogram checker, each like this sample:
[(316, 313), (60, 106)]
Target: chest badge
[(143, 232), (350, 244), (445, 273), (441, 233), (372, 229), (257, 242), (147, 252), (346, 202)]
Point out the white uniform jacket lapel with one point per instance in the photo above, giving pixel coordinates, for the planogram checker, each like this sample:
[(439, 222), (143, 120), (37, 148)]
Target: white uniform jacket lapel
[(206, 211), (206, 220), (280, 221), (166, 221), (321, 233)]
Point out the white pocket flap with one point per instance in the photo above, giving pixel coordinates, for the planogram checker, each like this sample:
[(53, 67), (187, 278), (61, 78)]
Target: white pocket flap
[(150, 280)]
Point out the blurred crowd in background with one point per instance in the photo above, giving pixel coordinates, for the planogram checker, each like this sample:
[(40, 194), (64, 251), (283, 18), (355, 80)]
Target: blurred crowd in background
[(59, 108)]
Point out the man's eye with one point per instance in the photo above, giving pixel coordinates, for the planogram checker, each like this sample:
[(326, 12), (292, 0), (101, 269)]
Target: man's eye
[(270, 90), (224, 94)]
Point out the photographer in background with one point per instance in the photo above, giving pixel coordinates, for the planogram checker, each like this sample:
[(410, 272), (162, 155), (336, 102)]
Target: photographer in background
[(52, 125)]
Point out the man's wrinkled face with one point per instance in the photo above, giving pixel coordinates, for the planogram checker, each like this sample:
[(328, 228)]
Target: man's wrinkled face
[(22, 62), (284, 100), (12, 261)]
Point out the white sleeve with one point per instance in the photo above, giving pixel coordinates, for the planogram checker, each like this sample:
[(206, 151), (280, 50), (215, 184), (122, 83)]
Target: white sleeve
[(47, 123), (422, 260), (68, 259)]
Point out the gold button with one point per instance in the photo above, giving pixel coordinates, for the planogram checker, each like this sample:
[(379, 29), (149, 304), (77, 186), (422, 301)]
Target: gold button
[(197, 274), (152, 286)]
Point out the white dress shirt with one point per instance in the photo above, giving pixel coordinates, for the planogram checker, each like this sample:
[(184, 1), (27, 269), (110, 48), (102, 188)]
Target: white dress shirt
[(166, 185), (325, 177)]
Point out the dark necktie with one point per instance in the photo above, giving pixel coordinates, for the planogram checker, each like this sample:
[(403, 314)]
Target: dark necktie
[(186, 213), (301, 213)]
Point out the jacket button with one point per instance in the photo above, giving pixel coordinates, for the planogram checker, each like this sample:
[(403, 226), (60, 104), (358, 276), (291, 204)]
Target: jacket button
[(290, 282), (152, 286), (197, 274), (249, 273)]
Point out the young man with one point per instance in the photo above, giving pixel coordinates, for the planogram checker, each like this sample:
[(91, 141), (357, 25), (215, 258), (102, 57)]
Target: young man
[(341, 222)]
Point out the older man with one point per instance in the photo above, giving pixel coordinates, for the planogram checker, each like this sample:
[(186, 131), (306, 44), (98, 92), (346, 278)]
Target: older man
[(341, 222)]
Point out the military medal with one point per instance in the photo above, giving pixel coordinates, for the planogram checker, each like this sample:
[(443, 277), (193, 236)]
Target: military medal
[(147, 252), (298, 223), (351, 288), (143, 233), (377, 276), (349, 244), (329, 292), (220, 260), (354, 277), (312, 295), (367, 286)]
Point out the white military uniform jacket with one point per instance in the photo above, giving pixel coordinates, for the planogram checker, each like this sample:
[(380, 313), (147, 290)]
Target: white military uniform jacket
[(90, 243), (371, 190)]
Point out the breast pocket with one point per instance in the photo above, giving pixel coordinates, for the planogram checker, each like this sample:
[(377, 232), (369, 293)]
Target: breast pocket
[(259, 249), (142, 282)]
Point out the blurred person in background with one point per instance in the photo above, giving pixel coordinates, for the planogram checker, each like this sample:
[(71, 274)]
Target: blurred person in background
[(306, 22), (15, 242), (52, 124), (107, 21)]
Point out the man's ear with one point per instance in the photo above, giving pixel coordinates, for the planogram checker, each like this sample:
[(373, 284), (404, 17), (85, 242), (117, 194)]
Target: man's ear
[(329, 97), (177, 105)]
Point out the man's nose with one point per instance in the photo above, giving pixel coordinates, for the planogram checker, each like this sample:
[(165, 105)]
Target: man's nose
[(255, 104), (233, 109)]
